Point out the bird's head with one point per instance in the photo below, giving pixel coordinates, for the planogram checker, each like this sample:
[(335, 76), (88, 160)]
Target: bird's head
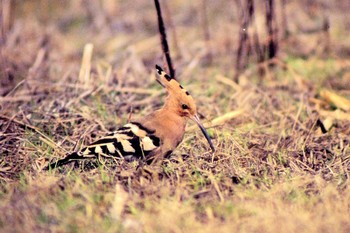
[(180, 101)]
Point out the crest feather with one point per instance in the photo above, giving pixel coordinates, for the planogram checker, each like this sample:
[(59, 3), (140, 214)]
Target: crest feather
[(169, 83)]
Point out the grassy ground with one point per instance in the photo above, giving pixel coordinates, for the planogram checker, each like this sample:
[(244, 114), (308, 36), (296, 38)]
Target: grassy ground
[(273, 171)]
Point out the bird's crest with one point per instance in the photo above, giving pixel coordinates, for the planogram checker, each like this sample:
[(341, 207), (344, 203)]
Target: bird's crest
[(180, 101), (169, 82), (178, 98)]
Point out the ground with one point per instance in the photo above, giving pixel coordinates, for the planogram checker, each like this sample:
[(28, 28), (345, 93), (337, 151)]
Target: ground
[(282, 160)]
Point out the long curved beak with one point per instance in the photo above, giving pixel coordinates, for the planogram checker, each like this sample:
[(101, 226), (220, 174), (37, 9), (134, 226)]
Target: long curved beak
[(195, 118)]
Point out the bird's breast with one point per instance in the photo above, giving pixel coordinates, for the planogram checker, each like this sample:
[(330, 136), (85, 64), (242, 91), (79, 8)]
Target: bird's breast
[(170, 132)]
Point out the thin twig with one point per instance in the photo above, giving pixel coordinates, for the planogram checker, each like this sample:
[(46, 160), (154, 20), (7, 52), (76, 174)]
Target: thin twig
[(163, 39)]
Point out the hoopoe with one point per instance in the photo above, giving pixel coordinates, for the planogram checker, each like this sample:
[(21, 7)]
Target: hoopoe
[(152, 137)]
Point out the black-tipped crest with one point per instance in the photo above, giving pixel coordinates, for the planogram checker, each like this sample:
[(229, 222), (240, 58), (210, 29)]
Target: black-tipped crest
[(167, 77), (169, 82), (161, 72), (159, 69)]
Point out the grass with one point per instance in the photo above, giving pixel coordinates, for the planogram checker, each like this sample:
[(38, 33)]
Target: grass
[(273, 171)]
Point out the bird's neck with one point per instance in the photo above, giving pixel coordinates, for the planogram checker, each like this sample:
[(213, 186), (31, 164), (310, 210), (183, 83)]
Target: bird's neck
[(166, 120), (170, 115)]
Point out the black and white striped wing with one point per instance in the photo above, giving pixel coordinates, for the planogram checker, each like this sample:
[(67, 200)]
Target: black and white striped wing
[(130, 141)]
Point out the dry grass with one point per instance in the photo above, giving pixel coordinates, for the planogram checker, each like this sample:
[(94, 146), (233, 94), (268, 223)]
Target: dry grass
[(273, 171)]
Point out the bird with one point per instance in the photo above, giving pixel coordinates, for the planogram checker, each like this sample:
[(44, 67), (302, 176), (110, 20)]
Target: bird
[(150, 138)]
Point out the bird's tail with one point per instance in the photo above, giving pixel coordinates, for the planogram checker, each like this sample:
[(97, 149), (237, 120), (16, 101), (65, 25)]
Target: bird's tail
[(69, 158)]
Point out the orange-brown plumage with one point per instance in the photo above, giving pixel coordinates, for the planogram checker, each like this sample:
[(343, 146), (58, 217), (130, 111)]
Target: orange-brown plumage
[(152, 137)]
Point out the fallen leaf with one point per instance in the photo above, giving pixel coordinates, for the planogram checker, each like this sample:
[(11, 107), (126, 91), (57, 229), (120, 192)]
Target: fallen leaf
[(333, 98)]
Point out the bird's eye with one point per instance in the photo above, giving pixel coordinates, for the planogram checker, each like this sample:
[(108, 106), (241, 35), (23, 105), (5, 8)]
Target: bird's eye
[(184, 106)]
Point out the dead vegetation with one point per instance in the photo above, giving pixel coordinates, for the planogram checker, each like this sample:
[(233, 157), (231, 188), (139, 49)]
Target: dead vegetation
[(283, 159)]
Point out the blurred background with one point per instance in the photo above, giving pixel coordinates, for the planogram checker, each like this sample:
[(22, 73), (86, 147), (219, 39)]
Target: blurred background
[(227, 34)]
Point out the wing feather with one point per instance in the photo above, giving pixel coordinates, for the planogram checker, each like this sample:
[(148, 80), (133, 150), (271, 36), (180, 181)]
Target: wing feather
[(133, 139)]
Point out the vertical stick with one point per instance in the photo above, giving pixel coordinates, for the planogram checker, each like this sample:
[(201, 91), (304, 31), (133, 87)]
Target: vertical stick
[(85, 69), (163, 39), (271, 29), (326, 34)]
